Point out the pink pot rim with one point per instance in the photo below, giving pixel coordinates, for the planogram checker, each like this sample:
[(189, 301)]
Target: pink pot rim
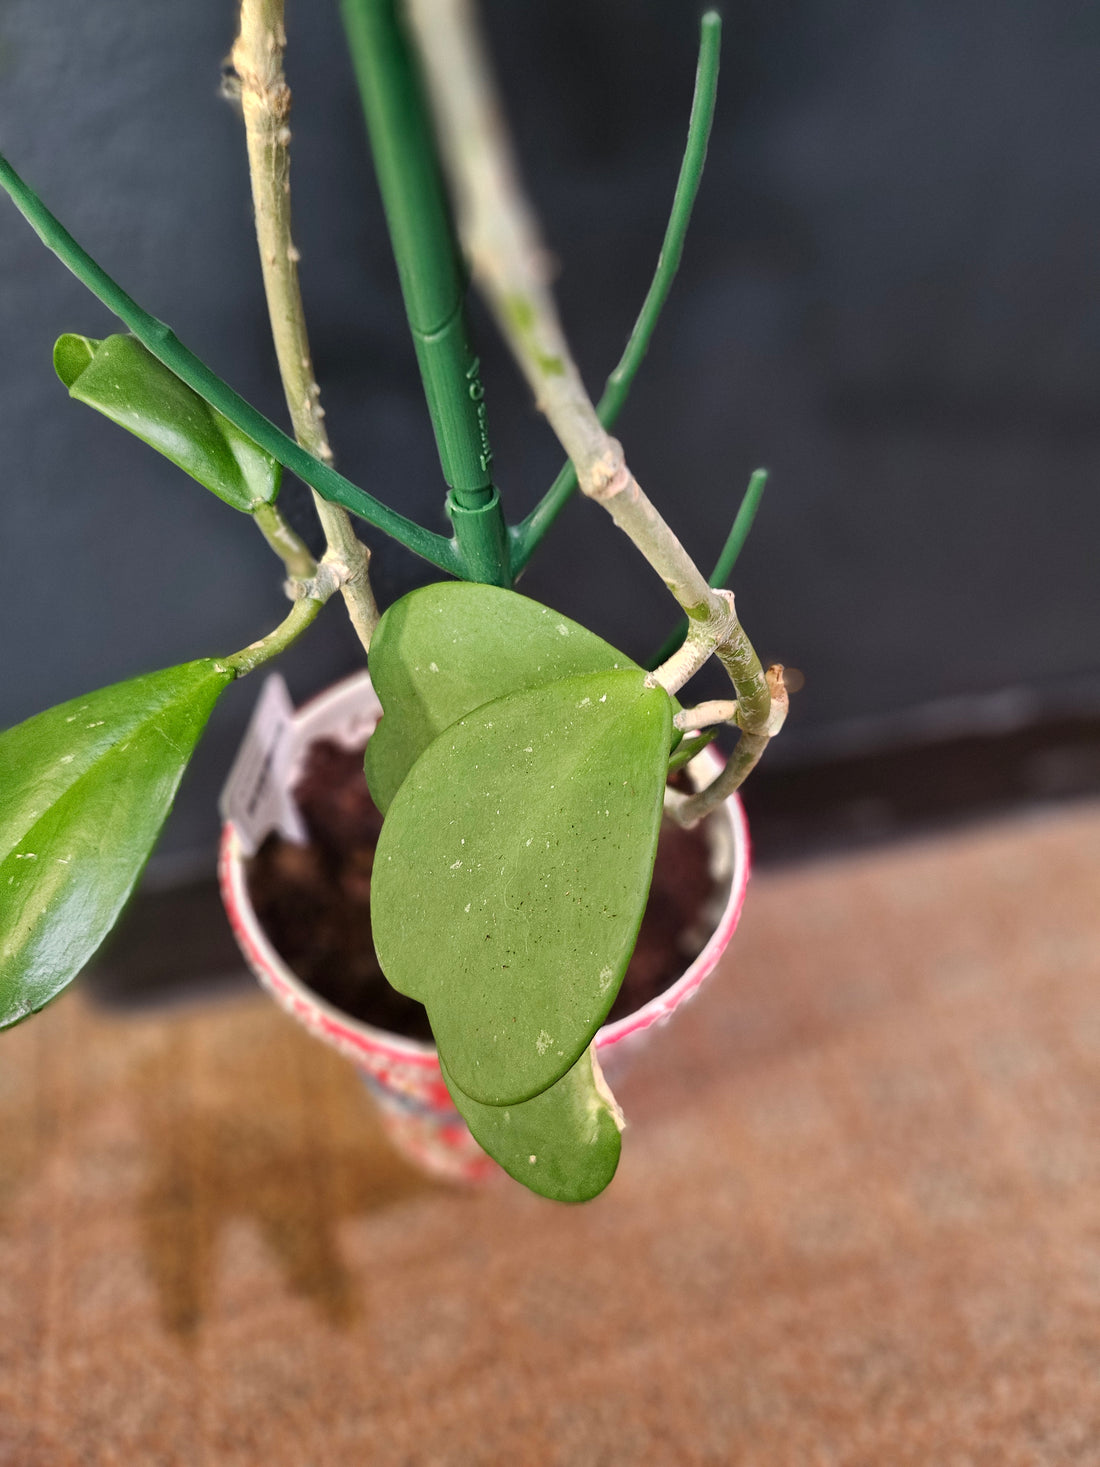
[(355, 1037)]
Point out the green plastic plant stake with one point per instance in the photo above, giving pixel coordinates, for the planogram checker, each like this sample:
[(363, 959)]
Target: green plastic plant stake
[(123, 380), (442, 651), (84, 790), (563, 1144), (512, 873), (432, 278)]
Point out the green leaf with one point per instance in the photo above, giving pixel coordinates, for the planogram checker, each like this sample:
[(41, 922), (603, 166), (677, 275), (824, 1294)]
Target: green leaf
[(124, 380), (442, 651), (84, 790), (512, 872), (690, 746), (563, 1144)]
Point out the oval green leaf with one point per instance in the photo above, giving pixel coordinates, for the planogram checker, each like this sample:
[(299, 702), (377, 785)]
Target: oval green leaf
[(84, 790), (563, 1144), (442, 651), (122, 379), (512, 873)]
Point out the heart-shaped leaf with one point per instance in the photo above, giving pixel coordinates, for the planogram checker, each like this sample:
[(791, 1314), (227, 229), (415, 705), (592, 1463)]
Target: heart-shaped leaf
[(84, 790), (512, 873), (124, 380), (442, 651), (563, 1144)]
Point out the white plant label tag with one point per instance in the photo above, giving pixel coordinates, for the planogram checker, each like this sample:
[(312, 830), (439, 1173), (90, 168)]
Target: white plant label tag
[(257, 798)]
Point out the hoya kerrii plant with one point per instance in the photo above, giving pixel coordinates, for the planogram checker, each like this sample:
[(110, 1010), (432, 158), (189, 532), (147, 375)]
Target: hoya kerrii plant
[(522, 762)]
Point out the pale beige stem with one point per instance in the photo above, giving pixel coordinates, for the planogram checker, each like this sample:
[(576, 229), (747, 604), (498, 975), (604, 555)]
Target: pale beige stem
[(265, 101), (288, 546), (703, 715), (509, 262)]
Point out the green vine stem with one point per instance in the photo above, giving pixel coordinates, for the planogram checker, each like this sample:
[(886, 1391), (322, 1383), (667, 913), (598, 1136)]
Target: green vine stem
[(527, 535), (287, 545), (300, 616), (167, 347), (265, 101)]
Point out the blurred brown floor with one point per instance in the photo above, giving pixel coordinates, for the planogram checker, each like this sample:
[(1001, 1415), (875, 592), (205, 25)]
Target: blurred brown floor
[(857, 1219)]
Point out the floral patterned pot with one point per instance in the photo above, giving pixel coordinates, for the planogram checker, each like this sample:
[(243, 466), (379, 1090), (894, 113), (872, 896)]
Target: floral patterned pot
[(403, 1074)]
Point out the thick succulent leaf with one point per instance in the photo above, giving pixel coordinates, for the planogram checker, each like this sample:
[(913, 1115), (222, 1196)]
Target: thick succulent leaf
[(563, 1144), (124, 380), (84, 790), (512, 873), (442, 651)]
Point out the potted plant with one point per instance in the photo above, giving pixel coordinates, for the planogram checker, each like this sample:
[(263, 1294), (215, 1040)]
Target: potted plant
[(522, 763)]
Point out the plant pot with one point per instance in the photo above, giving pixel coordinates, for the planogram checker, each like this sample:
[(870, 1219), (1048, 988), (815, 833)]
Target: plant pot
[(403, 1074)]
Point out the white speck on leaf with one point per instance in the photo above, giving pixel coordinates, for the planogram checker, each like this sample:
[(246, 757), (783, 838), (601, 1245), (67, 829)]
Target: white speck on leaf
[(584, 702), (71, 718), (467, 907), (604, 698), (543, 1042), (65, 759), (26, 856), (563, 630), (455, 865), (532, 1159), (432, 667), (98, 724), (606, 975)]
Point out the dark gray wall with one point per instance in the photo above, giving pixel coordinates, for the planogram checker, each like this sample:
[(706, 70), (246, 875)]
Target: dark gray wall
[(889, 295)]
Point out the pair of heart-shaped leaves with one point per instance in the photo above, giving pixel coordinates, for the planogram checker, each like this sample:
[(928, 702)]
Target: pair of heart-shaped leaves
[(84, 790), (521, 764), (122, 379)]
